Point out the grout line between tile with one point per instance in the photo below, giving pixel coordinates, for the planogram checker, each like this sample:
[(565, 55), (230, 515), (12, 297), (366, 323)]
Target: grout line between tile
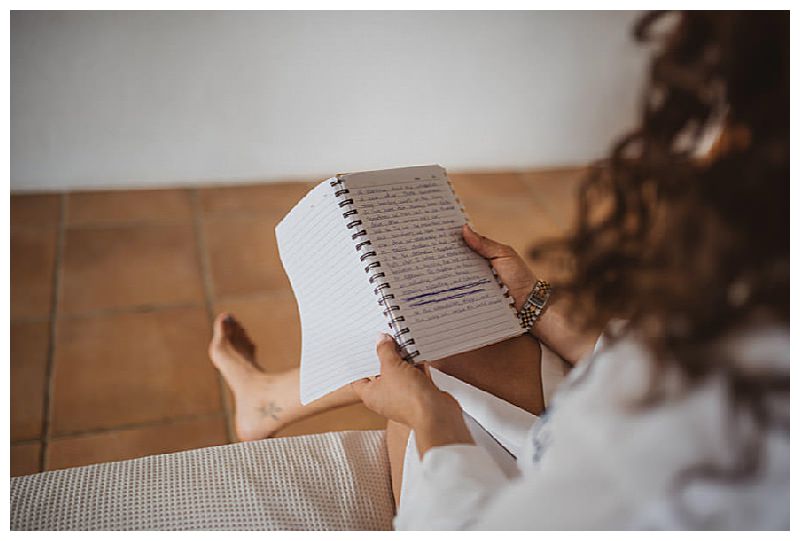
[(31, 319), (245, 214), (132, 426), (138, 308), (127, 225), (25, 442), (208, 290), (285, 293), (147, 308), (51, 347)]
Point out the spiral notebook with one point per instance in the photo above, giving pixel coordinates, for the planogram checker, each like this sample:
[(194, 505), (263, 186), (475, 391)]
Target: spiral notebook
[(381, 251)]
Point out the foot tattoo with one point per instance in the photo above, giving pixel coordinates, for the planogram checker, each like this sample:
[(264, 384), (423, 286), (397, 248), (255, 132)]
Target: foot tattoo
[(258, 414), (271, 410)]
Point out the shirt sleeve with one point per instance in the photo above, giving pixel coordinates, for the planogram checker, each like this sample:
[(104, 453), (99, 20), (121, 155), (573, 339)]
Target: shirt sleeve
[(454, 484), (460, 487)]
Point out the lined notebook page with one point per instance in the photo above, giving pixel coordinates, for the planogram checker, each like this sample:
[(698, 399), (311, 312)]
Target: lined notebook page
[(339, 314), (447, 294)]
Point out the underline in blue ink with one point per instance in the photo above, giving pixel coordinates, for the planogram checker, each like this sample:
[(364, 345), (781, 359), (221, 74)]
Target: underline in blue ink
[(465, 286), (451, 297)]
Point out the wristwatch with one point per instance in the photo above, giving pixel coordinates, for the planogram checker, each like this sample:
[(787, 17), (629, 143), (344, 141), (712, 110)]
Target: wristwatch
[(534, 305)]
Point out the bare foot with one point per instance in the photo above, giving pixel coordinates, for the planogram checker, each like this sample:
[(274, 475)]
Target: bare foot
[(262, 400)]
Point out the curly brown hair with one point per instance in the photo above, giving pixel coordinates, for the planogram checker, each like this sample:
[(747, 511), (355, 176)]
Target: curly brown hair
[(690, 248)]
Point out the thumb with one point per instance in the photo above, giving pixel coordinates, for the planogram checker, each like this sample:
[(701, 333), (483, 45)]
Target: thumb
[(426, 369), (360, 386), (484, 246), (387, 352)]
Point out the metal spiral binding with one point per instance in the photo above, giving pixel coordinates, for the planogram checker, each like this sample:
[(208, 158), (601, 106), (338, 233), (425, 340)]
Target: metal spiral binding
[(375, 276)]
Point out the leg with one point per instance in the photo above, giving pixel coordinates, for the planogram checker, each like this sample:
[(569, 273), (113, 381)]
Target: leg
[(396, 443), (264, 402), (510, 370)]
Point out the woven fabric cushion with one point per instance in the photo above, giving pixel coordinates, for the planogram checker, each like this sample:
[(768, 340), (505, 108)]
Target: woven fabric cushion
[(334, 481)]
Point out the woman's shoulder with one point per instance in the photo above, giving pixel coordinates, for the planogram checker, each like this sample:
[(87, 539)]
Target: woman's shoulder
[(622, 362)]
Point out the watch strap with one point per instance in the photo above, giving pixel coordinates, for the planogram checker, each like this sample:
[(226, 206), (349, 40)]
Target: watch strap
[(535, 304)]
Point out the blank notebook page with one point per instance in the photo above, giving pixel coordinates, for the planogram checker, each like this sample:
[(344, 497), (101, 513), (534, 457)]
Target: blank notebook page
[(447, 294), (339, 313)]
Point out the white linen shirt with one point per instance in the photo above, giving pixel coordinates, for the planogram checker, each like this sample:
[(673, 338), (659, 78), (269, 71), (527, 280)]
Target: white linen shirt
[(595, 460)]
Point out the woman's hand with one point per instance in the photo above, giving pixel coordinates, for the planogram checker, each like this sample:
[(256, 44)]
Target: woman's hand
[(405, 393), (510, 267), (553, 328)]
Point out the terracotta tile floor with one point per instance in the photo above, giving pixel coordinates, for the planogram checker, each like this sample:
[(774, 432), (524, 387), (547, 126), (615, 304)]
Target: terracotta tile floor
[(112, 294)]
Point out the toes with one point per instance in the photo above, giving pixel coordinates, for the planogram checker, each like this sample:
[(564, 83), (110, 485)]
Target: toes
[(219, 335), (228, 329), (242, 343)]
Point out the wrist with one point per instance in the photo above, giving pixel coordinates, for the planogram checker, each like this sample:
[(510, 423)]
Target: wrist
[(555, 329), (442, 424), (550, 323), (434, 410), (520, 294)]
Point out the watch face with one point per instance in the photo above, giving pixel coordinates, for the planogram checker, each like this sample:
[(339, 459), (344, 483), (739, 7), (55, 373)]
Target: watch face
[(538, 300), (534, 304), (540, 293)]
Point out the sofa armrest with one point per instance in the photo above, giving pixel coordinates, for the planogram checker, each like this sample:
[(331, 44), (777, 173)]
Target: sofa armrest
[(333, 481)]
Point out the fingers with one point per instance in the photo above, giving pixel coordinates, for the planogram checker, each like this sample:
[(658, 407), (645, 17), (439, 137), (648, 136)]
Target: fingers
[(485, 246), (359, 385), (364, 388), (388, 356), (387, 352)]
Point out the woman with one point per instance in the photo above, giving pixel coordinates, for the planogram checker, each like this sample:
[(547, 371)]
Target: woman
[(678, 416)]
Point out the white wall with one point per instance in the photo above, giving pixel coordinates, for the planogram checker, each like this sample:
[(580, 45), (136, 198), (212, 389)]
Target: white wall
[(119, 99)]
